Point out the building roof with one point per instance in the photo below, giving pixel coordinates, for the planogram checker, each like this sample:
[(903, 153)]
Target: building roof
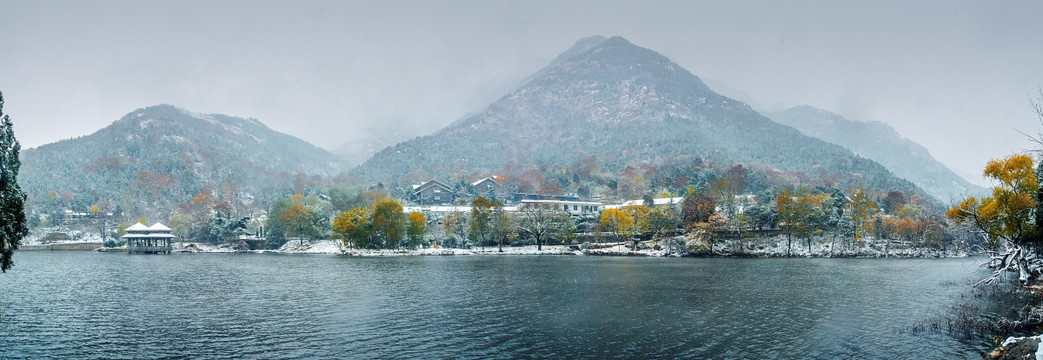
[(570, 202), (522, 196), (138, 227), (148, 236), (156, 231), (445, 209), (429, 208), (430, 183), (655, 202), (159, 227), (490, 178)]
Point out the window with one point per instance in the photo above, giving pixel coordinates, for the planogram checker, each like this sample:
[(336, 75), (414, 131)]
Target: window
[(565, 208), (575, 207)]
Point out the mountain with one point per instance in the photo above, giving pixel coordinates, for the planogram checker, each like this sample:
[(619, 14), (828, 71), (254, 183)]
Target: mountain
[(880, 142), (155, 158), (621, 105)]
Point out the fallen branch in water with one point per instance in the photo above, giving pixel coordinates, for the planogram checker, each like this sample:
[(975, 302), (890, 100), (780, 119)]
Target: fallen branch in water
[(1014, 259)]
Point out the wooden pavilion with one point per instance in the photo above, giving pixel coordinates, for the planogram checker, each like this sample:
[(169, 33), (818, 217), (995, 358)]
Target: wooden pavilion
[(153, 239)]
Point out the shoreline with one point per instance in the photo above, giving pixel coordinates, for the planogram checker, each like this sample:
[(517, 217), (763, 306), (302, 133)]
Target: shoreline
[(328, 247), (754, 250), (65, 246)]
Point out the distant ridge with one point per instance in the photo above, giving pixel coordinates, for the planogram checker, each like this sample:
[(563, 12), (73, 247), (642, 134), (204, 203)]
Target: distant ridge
[(881, 143)]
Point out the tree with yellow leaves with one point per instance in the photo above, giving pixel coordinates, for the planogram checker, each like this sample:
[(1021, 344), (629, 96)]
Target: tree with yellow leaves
[(617, 222), (640, 214), (352, 227), (1004, 217), (389, 223), (296, 216), (300, 220), (416, 228), (453, 225), (787, 207), (862, 211), (480, 224), (798, 212)]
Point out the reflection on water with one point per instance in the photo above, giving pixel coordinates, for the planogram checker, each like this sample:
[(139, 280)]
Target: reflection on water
[(96, 305)]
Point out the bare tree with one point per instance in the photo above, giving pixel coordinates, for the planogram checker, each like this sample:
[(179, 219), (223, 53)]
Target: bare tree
[(1037, 106), (503, 227), (541, 223)]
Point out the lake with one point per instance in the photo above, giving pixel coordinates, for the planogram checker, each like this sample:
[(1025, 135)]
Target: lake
[(111, 305)]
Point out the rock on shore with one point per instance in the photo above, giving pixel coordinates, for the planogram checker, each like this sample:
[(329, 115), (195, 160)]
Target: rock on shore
[(1020, 348)]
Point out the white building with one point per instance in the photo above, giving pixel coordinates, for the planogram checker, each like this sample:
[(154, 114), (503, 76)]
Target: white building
[(153, 239), (571, 207)]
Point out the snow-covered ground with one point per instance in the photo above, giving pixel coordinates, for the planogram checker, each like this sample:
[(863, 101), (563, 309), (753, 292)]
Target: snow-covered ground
[(332, 248), (197, 247), (762, 247), (310, 247), (774, 246), (39, 238)]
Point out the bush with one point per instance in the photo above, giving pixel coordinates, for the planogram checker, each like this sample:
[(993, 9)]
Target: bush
[(450, 242)]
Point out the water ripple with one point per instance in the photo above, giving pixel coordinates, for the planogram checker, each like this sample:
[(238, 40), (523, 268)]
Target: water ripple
[(231, 306)]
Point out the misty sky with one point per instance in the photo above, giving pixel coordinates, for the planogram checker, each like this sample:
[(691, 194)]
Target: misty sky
[(953, 76)]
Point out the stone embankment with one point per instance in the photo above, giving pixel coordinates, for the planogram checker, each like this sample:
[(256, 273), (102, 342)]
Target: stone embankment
[(66, 246)]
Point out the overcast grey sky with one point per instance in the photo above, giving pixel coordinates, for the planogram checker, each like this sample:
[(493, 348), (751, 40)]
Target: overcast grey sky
[(953, 76)]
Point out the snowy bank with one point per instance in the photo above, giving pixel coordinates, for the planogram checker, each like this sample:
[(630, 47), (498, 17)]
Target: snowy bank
[(689, 245), (330, 247), (821, 246), (683, 246), (50, 236), (1028, 347)]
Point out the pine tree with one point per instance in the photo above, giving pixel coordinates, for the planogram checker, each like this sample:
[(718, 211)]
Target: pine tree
[(12, 198)]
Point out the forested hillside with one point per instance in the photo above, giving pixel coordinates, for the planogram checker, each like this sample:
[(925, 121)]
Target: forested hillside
[(157, 158)]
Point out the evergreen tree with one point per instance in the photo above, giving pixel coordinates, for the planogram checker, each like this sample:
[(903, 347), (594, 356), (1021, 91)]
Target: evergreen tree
[(12, 198)]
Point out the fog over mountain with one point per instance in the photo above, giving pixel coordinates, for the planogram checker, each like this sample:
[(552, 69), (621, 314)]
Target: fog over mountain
[(954, 79)]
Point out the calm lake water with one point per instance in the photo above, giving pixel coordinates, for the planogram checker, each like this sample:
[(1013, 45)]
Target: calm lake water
[(95, 305)]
